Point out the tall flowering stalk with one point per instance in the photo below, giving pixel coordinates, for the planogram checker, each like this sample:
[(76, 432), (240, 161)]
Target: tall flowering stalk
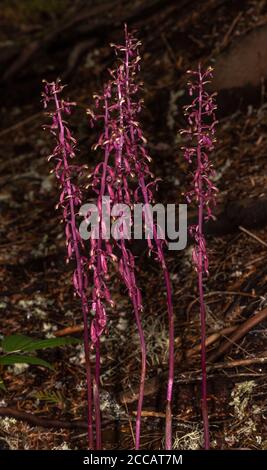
[(124, 174), (101, 250), (201, 134), (142, 179), (70, 200), (111, 178)]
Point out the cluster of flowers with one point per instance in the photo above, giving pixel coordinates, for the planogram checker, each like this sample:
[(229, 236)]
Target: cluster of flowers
[(201, 135), (70, 200), (124, 175)]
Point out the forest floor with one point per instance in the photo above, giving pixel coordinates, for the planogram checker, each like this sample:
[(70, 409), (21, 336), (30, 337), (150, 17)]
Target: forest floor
[(37, 295)]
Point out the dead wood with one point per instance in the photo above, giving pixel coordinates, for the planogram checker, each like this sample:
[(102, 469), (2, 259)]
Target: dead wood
[(100, 17), (95, 17), (33, 420), (42, 422), (237, 335)]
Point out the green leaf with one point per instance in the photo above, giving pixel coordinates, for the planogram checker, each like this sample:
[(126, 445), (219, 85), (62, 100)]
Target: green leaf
[(15, 343), (2, 385), (52, 397), (26, 343), (52, 343), (17, 359)]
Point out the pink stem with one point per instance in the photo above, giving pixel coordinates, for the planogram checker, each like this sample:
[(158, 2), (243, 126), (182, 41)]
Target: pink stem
[(204, 404), (168, 429), (133, 295), (142, 347), (168, 426), (97, 398), (99, 243), (80, 278)]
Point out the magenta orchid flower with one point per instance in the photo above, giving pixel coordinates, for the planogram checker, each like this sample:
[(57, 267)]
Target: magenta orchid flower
[(70, 200), (136, 155), (201, 136)]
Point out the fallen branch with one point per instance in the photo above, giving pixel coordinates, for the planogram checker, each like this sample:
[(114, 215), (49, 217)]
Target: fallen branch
[(252, 235), (210, 340), (237, 335), (152, 386), (239, 363), (69, 330), (219, 292), (42, 422), (33, 420), (20, 124), (190, 377), (76, 54), (94, 18)]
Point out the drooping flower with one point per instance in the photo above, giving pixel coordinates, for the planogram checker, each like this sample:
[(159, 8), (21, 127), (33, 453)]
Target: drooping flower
[(200, 135), (70, 200), (144, 184), (111, 178)]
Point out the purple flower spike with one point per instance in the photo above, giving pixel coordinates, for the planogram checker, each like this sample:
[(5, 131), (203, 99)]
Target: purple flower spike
[(125, 177), (101, 250), (69, 202), (135, 153), (200, 134), (111, 178)]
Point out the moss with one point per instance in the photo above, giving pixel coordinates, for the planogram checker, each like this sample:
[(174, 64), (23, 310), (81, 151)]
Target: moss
[(241, 396), (191, 441)]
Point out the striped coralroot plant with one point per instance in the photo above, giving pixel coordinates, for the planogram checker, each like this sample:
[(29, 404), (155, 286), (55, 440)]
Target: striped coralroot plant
[(101, 249), (201, 136), (111, 178), (129, 181), (137, 158), (69, 201)]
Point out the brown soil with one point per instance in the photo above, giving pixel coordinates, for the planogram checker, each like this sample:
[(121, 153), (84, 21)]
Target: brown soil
[(36, 294)]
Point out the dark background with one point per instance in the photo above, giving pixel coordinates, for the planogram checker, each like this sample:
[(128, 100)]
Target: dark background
[(70, 39)]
